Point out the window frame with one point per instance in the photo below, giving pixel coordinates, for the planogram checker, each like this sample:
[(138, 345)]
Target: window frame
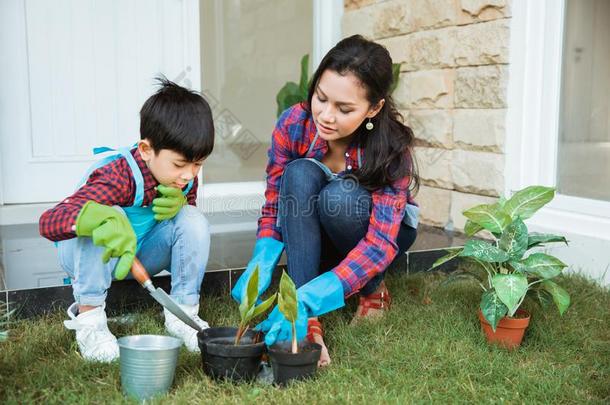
[(533, 118)]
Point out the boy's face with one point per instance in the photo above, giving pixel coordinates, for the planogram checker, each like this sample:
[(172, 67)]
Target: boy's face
[(168, 167)]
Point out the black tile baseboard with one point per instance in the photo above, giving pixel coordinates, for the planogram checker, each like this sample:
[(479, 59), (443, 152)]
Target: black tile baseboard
[(127, 295)]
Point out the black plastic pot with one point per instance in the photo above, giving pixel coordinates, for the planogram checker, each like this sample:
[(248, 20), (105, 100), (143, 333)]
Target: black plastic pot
[(289, 366), (222, 331), (222, 359)]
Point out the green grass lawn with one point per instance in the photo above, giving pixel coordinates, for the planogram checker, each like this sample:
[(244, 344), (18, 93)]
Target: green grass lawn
[(425, 350)]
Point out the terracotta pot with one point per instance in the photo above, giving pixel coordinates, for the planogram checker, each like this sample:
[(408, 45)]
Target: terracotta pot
[(510, 330)]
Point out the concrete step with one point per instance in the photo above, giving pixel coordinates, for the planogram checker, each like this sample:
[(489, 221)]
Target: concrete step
[(230, 252)]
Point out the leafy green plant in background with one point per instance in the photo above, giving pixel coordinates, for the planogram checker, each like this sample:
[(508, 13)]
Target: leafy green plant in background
[(287, 302), (248, 310), (501, 266), (292, 93)]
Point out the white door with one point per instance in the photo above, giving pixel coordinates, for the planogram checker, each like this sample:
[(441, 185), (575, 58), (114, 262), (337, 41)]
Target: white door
[(74, 75)]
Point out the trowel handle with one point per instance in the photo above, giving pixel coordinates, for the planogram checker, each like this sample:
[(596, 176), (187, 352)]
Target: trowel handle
[(140, 273)]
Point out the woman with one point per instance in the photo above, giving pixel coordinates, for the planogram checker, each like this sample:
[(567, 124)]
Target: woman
[(338, 179)]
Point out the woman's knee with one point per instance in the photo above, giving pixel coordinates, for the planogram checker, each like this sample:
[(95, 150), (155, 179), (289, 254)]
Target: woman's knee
[(302, 176), (346, 199)]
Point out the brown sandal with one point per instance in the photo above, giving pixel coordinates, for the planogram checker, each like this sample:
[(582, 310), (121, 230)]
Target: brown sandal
[(314, 327), (381, 300)]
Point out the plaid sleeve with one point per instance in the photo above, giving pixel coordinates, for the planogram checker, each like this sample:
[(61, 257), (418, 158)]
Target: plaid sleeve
[(191, 196), (279, 156), (378, 248), (111, 184)]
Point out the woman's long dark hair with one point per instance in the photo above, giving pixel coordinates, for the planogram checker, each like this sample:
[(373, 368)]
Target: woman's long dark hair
[(387, 147)]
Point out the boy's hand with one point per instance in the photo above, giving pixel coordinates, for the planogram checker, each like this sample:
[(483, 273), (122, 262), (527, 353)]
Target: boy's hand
[(169, 204), (111, 229)]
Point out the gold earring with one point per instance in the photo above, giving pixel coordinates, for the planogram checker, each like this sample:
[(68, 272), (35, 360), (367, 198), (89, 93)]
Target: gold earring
[(369, 125)]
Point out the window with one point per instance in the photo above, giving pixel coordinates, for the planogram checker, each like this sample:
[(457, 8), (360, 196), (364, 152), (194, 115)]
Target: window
[(249, 50), (583, 156)]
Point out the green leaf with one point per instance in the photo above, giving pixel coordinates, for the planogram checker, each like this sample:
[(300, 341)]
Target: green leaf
[(514, 239), (492, 308), (451, 253), (488, 216), (287, 96), (471, 229), (3, 335), (292, 93), (543, 265), (263, 306), (544, 297), (526, 202), (560, 296), (304, 69), (519, 267), (510, 289), (484, 251), (535, 239), (287, 299), (249, 297), (489, 269), (395, 76)]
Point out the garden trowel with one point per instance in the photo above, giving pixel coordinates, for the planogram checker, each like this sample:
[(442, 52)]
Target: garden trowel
[(141, 275)]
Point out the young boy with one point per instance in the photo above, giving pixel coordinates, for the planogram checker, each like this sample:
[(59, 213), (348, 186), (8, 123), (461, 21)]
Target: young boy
[(139, 202)]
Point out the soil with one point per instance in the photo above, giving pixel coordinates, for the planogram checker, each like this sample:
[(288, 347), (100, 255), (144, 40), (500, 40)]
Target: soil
[(231, 342), (520, 314)]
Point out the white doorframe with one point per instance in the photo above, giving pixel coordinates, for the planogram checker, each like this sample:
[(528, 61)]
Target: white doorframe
[(326, 27), (532, 126)]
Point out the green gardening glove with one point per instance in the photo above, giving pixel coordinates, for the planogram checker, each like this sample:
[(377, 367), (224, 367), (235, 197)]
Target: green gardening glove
[(110, 229), (169, 203)]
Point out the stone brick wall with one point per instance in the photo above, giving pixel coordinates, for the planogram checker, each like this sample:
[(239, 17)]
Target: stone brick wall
[(452, 93)]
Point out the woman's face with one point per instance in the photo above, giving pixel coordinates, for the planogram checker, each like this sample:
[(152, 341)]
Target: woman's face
[(339, 105)]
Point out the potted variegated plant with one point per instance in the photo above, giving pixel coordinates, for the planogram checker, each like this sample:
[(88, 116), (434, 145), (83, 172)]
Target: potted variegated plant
[(505, 267), (235, 353), (294, 360)]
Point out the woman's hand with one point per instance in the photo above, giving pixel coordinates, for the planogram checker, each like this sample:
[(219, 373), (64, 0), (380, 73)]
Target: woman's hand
[(266, 254), (277, 329), (321, 295)]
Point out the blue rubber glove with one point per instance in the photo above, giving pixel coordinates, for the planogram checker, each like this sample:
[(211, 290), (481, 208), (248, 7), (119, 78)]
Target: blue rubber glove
[(321, 295), (278, 329), (267, 252)]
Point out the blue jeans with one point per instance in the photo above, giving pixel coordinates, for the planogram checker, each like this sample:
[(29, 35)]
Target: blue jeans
[(180, 245), (322, 218)]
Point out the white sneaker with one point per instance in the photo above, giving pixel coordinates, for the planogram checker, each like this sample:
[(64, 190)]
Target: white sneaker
[(95, 341), (179, 329)]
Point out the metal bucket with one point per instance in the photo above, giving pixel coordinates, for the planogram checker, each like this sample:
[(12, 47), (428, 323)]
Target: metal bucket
[(148, 364)]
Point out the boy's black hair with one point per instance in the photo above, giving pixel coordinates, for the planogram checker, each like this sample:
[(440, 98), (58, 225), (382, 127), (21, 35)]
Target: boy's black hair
[(178, 119)]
